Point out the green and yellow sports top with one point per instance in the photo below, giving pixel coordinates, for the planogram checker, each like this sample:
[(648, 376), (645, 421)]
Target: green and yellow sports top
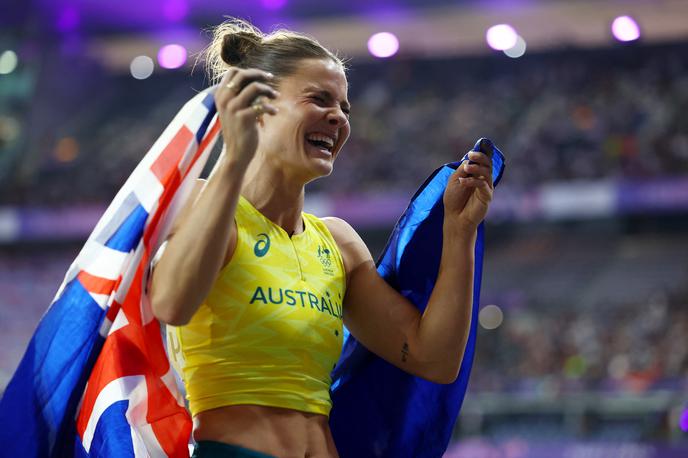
[(270, 331)]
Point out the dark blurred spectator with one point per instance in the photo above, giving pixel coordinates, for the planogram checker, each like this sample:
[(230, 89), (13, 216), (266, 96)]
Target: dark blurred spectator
[(614, 113)]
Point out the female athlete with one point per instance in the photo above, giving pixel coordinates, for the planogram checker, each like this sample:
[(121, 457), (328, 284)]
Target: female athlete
[(256, 291)]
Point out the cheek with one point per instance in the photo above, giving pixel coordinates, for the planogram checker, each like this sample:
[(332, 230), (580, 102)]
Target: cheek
[(274, 127), (346, 132)]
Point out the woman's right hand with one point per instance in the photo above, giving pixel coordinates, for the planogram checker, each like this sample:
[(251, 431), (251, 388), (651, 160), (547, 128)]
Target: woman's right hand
[(241, 98)]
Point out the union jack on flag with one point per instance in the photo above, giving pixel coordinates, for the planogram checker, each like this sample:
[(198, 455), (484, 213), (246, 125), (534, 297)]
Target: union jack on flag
[(95, 379)]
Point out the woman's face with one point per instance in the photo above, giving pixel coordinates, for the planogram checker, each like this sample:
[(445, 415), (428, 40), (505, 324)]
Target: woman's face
[(304, 138)]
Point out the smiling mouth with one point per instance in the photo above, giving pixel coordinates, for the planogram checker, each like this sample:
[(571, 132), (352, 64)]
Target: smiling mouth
[(322, 142), (320, 145)]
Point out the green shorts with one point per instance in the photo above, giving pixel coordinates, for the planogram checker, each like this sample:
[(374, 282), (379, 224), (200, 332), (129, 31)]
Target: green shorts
[(213, 449)]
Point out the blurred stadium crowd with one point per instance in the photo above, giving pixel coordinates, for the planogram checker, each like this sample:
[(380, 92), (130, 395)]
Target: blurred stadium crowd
[(633, 348), (602, 114), (608, 314), (569, 115), (583, 312)]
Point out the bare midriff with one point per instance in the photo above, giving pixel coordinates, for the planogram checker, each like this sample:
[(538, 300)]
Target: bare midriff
[(283, 433)]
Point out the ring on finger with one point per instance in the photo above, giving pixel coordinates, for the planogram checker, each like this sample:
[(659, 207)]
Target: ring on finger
[(258, 109), (231, 86)]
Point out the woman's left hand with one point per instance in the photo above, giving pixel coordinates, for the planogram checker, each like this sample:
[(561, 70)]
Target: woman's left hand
[(469, 192)]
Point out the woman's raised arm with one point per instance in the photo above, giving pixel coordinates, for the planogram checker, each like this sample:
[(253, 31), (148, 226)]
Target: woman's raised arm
[(431, 344), (204, 236)]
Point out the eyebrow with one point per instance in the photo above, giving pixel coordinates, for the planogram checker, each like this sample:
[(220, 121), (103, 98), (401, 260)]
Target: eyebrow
[(327, 94)]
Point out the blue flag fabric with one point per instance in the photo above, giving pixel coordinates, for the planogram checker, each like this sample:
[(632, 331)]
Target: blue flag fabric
[(379, 410)]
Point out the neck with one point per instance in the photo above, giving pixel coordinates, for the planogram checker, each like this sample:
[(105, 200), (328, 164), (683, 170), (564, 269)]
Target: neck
[(276, 195)]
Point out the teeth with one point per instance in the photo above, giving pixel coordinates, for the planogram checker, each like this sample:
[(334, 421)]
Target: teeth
[(321, 138)]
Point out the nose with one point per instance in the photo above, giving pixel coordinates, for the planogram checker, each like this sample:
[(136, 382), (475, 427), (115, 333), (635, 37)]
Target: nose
[(336, 117)]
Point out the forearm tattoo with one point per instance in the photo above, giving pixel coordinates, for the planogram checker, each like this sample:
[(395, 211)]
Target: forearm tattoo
[(404, 352)]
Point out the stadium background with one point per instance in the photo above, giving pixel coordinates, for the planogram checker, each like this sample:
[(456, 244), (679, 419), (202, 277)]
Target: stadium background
[(583, 344)]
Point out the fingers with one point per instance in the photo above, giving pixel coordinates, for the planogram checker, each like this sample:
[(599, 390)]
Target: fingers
[(479, 158), (226, 88), (255, 110), (255, 92), (475, 183), (469, 169), (477, 166), (238, 78), (235, 83)]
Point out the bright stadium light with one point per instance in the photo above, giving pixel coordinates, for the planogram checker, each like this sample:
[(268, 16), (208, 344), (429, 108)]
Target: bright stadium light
[(518, 49), (501, 37), (383, 44), (8, 62), (490, 317), (141, 67), (625, 28), (172, 56)]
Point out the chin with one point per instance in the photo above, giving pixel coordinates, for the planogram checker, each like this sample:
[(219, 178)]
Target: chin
[(320, 169), (317, 163), (324, 170)]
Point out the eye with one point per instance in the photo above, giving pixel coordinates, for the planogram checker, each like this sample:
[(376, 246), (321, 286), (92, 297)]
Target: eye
[(318, 99)]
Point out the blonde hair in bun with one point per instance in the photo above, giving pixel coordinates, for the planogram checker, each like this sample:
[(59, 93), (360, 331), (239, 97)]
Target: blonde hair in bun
[(238, 43)]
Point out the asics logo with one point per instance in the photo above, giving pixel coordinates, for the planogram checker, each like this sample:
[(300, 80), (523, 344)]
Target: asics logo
[(262, 246)]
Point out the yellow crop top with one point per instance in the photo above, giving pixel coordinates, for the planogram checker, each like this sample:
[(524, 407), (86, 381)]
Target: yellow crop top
[(270, 331)]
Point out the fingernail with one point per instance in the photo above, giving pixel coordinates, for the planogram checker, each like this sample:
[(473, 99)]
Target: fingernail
[(270, 75)]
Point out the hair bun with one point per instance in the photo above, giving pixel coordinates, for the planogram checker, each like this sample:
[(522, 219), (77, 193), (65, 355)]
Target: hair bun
[(237, 45)]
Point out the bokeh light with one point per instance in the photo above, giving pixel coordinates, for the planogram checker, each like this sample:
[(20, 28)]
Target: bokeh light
[(575, 366), (490, 317), (141, 67), (273, 5), (66, 150), (501, 37), (8, 62), (683, 421), (9, 130), (624, 28), (383, 44), (619, 366), (172, 56), (518, 49)]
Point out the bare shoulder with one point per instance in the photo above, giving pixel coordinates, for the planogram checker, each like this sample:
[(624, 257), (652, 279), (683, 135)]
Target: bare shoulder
[(353, 248), (345, 235), (340, 229)]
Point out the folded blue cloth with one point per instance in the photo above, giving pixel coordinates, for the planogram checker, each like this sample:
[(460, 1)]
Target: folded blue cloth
[(378, 409)]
